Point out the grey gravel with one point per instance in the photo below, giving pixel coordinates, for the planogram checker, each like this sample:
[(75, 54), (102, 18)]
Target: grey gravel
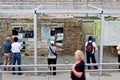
[(69, 59)]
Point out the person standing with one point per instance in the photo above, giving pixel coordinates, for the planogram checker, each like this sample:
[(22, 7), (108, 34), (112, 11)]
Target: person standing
[(7, 52), (78, 69), (118, 49), (16, 54), (90, 48), (52, 57)]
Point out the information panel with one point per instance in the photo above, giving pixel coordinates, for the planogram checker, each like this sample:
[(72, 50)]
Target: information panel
[(111, 31)]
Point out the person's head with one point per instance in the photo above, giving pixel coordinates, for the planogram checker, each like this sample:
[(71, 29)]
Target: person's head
[(8, 39), (78, 55), (90, 38), (15, 39), (52, 43)]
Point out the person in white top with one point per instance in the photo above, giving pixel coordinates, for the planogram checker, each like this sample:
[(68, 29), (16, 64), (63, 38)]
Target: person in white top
[(52, 56), (90, 54), (16, 54)]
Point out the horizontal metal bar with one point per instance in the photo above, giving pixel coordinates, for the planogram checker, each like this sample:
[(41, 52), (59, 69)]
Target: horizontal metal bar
[(43, 65), (8, 11), (96, 7), (111, 12), (60, 11), (45, 71), (33, 65)]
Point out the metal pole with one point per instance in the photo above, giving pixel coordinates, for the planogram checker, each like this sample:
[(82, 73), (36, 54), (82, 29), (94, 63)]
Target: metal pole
[(87, 8), (101, 42), (35, 41), (1, 73)]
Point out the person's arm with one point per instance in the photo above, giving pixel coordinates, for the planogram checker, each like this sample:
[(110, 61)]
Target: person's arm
[(118, 47), (95, 46), (20, 46), (10, 47), (86, 45), (78, 74), (2, 48)]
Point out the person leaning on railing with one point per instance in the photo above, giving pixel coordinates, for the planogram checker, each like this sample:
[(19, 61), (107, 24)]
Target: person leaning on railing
[(118, 49)]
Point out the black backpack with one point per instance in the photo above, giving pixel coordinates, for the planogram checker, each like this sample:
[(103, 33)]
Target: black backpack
[(89, 47)]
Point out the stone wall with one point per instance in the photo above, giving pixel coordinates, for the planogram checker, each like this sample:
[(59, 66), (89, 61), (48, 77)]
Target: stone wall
[(4, 32), (73, 34)]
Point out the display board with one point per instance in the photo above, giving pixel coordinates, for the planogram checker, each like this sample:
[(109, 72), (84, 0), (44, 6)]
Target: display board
[(45, 33), (111, 31), (97, 24)]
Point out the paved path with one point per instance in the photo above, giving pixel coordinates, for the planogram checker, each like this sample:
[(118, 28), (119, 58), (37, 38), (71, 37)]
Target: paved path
[(61, 76)]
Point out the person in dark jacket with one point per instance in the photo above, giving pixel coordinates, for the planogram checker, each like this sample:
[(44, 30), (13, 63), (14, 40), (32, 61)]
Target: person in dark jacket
[(78, 69)]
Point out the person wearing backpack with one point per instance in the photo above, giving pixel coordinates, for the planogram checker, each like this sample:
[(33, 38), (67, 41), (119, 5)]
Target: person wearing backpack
[(90, 48), (52, 57)]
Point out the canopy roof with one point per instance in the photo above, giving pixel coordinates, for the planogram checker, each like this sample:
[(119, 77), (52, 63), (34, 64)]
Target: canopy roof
[(59, 8)]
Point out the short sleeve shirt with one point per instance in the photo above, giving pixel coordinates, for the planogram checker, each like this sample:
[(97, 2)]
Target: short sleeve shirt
[(80, 67)]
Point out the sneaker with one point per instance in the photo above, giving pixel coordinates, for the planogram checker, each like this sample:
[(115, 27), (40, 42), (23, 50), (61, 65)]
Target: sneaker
[(9, 69), (49, 73), (20, 73), (54, 73), (13, 73), (5, 69)]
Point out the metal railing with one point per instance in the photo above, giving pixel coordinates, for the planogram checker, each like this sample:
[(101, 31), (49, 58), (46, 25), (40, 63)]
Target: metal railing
[(63, 70), (60, 66)]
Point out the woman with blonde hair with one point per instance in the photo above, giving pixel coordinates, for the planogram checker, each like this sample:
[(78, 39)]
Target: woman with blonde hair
[(78, 69)]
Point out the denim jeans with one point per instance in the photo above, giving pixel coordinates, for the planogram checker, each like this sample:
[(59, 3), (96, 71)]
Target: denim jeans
[(16, 57)]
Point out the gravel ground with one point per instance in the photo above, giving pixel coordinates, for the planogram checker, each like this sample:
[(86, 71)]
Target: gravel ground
[(62, 59), (68, 59)]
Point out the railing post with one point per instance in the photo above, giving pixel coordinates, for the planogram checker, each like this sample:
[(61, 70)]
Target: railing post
[(0, 72), (101, 42), (35, 41)]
